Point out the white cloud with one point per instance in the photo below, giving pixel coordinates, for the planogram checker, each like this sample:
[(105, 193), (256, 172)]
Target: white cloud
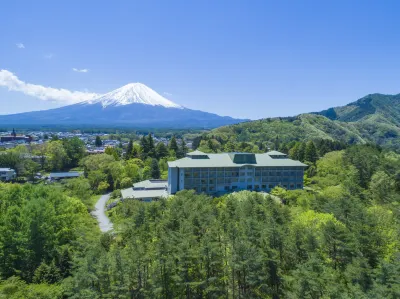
[(11, 81), (80, 70), (49, 56), (20, 45), (167, 93)]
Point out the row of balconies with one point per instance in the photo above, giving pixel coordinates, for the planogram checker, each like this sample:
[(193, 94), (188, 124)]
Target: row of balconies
[(235, 175)]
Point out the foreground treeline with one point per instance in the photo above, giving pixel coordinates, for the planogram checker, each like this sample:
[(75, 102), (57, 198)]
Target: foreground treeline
[(340, 239), (337, 239), (42, 230)]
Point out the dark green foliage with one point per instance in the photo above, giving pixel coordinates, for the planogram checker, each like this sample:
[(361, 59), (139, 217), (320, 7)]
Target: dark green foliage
[(129, 151), (98, 142), (155, 169), (173, 145), (161, 150), (310, 153)]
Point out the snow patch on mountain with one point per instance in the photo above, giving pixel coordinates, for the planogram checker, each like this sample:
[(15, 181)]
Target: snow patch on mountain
[(133, 93)]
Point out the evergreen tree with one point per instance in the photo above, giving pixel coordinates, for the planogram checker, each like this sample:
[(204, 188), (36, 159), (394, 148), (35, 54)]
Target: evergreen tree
[(98, 142), (155, 169), (182, 151), (173, 145), (302, 151), (151, 148), (129, 150), (310, 154), (161, 150), (276, 143), (144, 143)]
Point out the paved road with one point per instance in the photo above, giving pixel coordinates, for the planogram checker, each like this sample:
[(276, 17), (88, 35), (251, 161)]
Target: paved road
[(99, 213)]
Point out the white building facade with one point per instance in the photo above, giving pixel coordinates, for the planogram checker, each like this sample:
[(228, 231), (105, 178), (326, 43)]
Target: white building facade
[(7, 174), (216, 174)]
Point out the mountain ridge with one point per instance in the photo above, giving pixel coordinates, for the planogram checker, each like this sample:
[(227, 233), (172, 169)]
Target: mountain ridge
[(374, 118), (132, 105)]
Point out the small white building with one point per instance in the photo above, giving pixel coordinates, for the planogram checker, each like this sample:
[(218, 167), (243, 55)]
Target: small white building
[(7, 174), (146, 190)]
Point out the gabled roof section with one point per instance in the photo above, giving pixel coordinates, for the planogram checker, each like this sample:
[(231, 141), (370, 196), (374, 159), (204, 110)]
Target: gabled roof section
[(197, 155), (243, 158)]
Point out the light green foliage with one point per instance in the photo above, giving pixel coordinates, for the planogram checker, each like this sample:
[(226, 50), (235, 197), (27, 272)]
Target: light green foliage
[(75, 150), (57, 157), (15, 288), (37, 225), (102, 187)]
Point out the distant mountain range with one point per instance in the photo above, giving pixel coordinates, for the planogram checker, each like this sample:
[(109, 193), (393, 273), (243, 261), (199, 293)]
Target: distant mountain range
[(133, 105), (373, 118)]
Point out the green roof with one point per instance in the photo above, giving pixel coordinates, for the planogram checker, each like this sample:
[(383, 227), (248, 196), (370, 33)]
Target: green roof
[(235, 160)]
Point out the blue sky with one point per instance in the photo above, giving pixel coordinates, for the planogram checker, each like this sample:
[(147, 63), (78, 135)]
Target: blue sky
[(248, 59)]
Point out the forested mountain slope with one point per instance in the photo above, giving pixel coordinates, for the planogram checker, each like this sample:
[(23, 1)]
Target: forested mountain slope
[(374, 118)]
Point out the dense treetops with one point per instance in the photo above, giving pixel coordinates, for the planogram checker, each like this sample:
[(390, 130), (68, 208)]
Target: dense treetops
[(338, 238)]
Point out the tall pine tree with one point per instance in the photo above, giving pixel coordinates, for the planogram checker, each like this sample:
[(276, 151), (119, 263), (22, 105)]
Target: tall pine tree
[(155, 169), (173, 145), (310, 152)]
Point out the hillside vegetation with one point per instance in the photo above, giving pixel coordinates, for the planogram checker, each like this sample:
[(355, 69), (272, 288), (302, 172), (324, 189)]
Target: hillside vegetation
[(372, 119)]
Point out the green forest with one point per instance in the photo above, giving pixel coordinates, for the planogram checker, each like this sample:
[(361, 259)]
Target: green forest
[(337, 238)]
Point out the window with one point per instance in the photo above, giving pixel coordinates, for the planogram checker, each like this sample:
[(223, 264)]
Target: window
[(270, 186), (249, 180), (298, 185), (278, 173), (203, 181), (249, 187), (291, 186), (188, 175), (285, 186), (234, 187), (256, 187), (242, 180), (226, 188), (211, 181), (203, 189), (212, 188), (195, 174), (263, 186)]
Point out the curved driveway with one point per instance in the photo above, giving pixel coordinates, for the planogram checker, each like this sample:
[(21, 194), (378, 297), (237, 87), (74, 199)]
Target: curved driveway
[(99, 212)]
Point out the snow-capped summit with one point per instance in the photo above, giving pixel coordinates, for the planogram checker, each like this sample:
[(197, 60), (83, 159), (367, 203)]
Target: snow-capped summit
[(133, 93)]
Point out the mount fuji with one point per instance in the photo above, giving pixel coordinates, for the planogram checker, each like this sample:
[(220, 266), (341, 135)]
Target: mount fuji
[(132, 105)]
